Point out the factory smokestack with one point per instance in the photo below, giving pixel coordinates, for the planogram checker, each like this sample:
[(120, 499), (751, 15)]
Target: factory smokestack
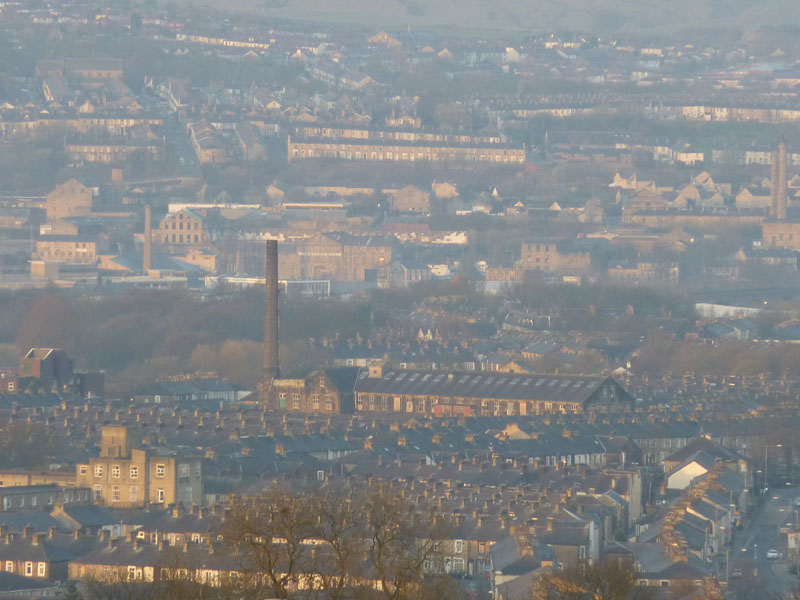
[(773, 184), (148, 240), (271, 362), (782, 181)]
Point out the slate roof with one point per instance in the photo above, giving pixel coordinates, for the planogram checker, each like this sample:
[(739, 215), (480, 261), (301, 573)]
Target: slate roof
[(705, 445), (731, 481), (344, 378), (681, 570), (706, 510), (184, 523), (18, 490), (22, 548), (41, 521), (694, 536), (505, 552), (511, 386), (88, 516), (11, 582), (132, 260), (199, 556)]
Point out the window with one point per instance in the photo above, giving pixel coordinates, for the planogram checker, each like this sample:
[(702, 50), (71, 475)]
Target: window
[(28, 569), (41, 569), (115, 493), (134, 493), (34, 500), (10, 566), (98, 491), (160, 495), (184, 470), (83, 470), (134, 472), (459, 546), (115, 471), (198, 470), (161, 470), (98, 470)]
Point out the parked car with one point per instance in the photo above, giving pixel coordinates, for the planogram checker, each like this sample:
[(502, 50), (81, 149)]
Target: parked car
[(773, 554), (736, 574)]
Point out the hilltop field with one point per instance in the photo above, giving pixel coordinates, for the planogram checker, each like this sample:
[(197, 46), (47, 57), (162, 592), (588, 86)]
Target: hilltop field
[(536, 16)]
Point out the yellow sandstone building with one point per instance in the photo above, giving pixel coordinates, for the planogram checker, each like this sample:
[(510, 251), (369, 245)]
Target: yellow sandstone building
[(123, 476)]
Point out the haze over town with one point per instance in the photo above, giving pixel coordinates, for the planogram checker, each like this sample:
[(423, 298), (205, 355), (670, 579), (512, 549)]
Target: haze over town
[(399, 300)]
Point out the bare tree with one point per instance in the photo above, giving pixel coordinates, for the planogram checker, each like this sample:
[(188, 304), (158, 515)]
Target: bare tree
[(338, 556), (338, 544), (404, 547), (605, 580), (271, 532)]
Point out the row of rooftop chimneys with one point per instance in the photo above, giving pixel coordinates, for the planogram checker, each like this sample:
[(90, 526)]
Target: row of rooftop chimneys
[(27, 533)]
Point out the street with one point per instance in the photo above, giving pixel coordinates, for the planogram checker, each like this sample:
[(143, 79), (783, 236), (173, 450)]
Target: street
[(749, 552)]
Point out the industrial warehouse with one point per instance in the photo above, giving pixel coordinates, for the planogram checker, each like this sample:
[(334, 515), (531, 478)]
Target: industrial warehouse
[(440, 393), (437, 393), (444, 394)]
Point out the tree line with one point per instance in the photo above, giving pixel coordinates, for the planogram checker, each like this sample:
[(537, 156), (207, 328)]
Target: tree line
[(331, 542)]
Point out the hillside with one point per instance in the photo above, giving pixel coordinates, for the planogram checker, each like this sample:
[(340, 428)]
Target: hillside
[(653, 16)]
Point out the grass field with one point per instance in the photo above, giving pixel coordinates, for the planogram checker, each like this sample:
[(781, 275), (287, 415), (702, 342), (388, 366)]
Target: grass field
[(524, 16)]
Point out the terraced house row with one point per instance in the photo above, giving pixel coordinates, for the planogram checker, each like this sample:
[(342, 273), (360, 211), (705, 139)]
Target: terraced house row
[(303, 148)]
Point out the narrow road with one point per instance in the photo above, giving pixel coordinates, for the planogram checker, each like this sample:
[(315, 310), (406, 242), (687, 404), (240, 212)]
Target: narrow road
[(749, 551)]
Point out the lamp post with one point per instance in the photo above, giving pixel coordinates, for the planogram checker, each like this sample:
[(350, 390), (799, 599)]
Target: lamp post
[(766, 464)]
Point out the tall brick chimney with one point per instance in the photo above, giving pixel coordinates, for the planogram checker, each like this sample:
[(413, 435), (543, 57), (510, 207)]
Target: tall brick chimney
[(148, 240), (773, 196), (271, 361), (782, 183)]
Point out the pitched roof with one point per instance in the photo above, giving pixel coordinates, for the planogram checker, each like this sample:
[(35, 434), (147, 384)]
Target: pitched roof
[(703, 459), (89, 515), (702, 443), (512, 386), (11, 582), (23, 548)]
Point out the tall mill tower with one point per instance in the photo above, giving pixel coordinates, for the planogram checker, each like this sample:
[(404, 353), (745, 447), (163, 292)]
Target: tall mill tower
[(271, 370), (271, 359)]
